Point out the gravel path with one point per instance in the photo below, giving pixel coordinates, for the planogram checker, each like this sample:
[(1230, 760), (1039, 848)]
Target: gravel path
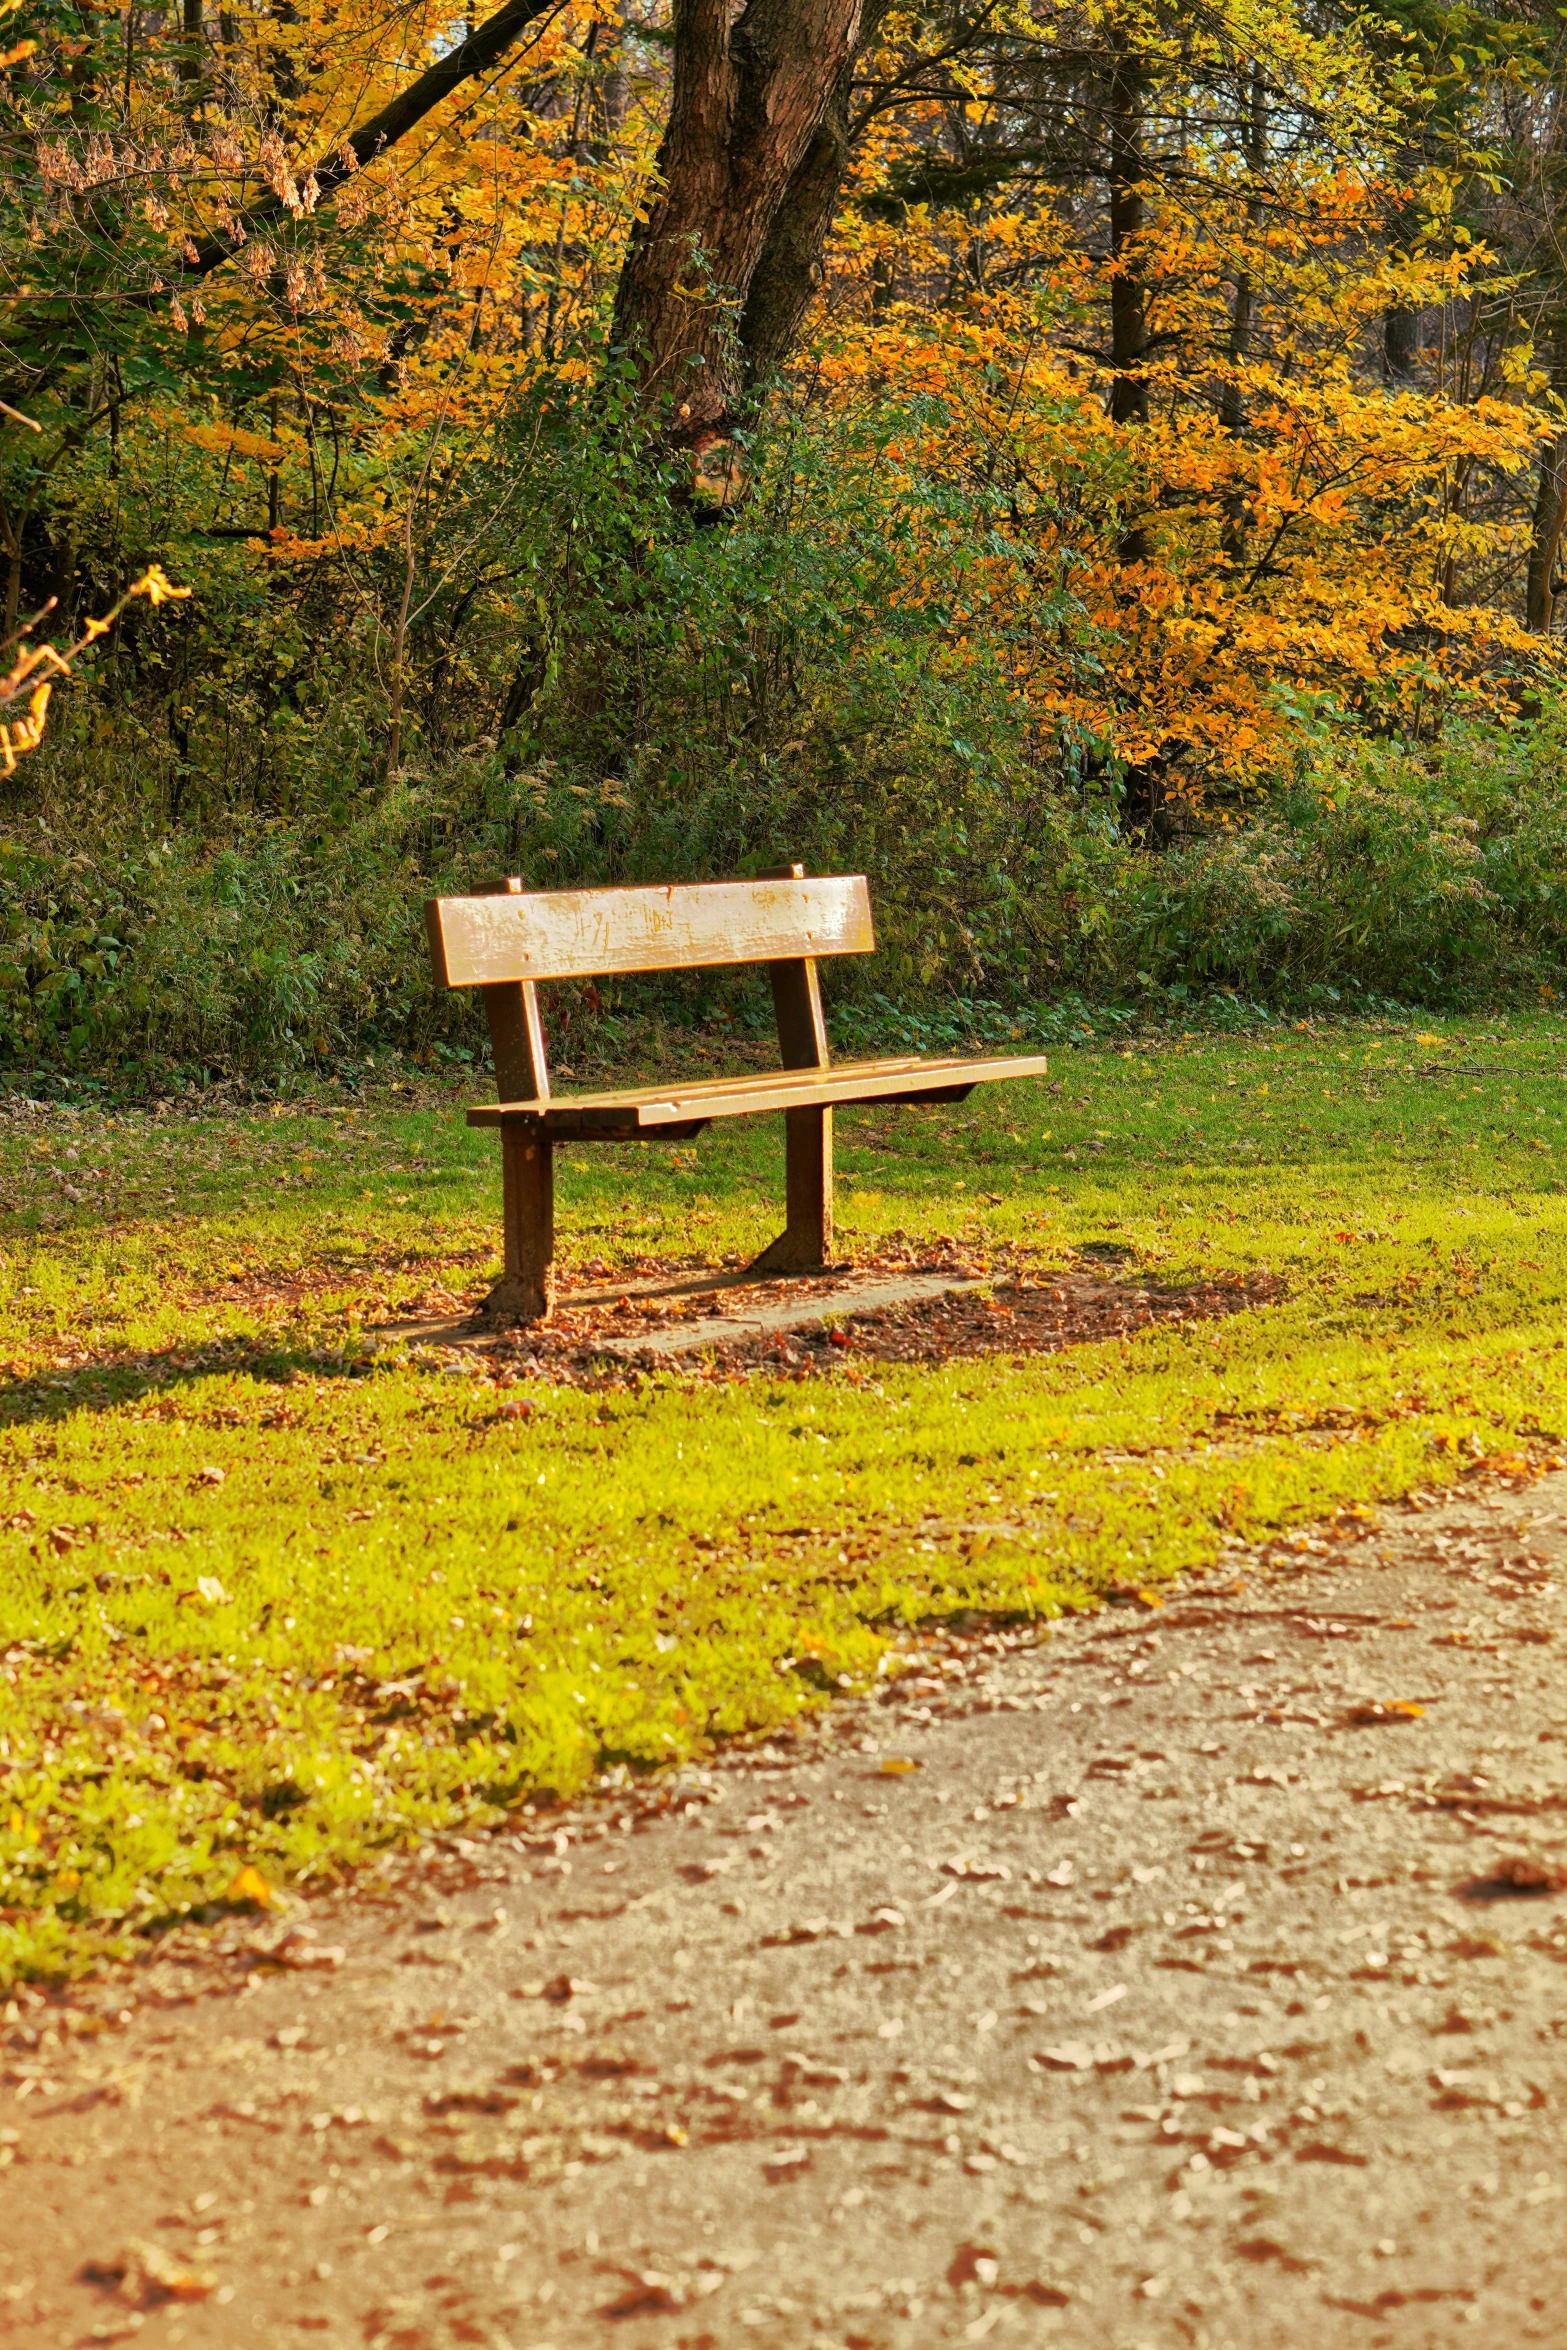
[(1202, 1983)]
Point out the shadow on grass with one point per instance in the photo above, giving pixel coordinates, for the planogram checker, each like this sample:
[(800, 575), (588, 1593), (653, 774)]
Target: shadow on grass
[(52, 1396)]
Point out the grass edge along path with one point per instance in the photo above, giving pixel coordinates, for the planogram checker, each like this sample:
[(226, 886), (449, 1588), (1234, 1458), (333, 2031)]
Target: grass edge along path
[(271, 1619)]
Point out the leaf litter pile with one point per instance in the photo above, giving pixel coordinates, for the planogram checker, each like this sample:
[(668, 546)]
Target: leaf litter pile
[(959, 1305)]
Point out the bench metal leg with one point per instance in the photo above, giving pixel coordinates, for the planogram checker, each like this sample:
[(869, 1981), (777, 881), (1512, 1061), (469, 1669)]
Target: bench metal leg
[(805, 1244), (525, 1291)]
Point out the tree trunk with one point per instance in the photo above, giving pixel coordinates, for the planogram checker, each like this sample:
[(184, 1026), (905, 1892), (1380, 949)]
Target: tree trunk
[(611, 90), (1143, 792), (1401, 324), (1232, 400), (1550, 506), (789, 269), (191, 60), (721, 267), (1400, 345), (1128, 295), (1550, 511)]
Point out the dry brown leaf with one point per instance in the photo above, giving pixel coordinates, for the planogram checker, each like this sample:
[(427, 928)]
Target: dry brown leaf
[(651, 2295), (146, 2275), (1520, 1872), (1069, 2056)]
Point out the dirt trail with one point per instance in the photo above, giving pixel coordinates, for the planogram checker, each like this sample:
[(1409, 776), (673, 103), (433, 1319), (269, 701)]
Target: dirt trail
[(1188, 1992)]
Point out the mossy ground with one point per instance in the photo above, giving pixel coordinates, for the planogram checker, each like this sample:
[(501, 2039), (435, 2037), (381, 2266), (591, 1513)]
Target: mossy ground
[(271, 1598)]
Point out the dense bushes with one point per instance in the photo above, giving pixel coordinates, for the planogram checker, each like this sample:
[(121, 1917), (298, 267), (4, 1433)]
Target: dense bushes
[(209, 867), (1432, 876), (1437, 879)]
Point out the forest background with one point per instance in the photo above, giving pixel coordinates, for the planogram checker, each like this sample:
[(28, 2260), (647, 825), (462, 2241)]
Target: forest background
[(1098, 469)]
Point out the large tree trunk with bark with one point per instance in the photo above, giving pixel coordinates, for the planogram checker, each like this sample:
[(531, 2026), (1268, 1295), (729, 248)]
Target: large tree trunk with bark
[(723, 265)]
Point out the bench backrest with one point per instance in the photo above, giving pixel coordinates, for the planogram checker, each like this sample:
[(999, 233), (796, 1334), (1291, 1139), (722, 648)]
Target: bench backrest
[(592, 933), (509, 938)]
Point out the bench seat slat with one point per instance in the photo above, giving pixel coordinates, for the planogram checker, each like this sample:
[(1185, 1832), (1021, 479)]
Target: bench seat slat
[(641, 1109), (592, 933)]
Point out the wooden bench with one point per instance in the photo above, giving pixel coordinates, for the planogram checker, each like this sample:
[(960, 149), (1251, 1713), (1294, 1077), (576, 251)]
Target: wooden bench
[(507, 940)]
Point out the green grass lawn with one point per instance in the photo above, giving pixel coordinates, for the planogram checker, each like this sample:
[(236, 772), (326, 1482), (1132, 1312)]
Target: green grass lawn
[(272, 1595)]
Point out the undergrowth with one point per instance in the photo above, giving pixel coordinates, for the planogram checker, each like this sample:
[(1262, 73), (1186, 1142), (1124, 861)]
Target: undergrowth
[(275, 946)]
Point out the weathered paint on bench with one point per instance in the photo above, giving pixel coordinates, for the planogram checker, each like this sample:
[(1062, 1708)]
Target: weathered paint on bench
[(595, 933)]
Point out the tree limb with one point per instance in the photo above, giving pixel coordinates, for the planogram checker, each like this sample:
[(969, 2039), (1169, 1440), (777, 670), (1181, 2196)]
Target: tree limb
[(484, 47)]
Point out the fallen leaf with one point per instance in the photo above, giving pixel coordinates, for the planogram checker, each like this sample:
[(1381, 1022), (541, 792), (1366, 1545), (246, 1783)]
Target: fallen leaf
[(303, 1956), (146, 2275), (250, 1885), (1132, 1595), (1520, 1872), (1264, 2248), (974, 2264), (1068, 2056), (470, 2101), (1116, 1939), (810, 1930), (649, 2296)]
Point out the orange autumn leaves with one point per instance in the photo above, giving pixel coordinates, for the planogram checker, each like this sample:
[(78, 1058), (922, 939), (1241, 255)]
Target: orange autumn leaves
[(1282, 536), (1278, 540)]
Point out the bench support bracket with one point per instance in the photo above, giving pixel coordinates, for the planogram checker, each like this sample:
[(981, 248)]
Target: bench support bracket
[(805, 1244), (525, 1291)]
